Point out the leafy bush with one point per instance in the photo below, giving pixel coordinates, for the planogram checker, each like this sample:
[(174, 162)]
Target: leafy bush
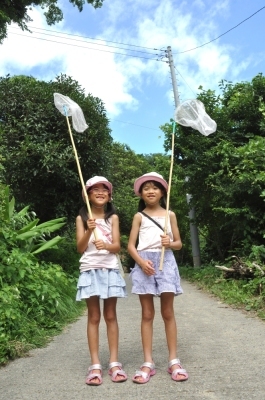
[(41, 302), (246, 293), (66, 255), (35, 296), (126, 260)]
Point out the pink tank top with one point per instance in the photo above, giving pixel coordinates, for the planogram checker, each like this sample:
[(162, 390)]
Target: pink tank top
[(93, 258)]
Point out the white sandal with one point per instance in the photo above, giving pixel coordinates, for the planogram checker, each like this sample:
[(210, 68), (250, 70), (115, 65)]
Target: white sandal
[(144, 375), (117, 372), (178, 371), (92, 376)]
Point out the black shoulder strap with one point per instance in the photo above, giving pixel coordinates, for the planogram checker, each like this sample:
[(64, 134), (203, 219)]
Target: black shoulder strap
[(148, 216)]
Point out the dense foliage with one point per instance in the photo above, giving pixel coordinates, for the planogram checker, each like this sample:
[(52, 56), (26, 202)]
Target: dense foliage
[(226, 170), (245, 293), (34, 296), (39, 162), (17, 11)]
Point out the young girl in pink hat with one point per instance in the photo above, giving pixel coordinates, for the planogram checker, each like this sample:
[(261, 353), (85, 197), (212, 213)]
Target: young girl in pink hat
[(100, 277), (147, 280)]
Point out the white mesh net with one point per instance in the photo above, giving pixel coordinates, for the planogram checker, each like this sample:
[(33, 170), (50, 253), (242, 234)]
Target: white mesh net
[(69, 108), (192, 113)]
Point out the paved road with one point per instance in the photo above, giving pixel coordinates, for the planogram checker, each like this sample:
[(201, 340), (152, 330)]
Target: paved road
[(222, 349)]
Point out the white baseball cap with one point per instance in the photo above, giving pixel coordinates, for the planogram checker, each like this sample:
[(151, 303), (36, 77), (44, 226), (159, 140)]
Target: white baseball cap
[(95, 180), (150, 176)]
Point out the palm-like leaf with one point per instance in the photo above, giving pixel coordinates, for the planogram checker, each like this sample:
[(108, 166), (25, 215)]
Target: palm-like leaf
[(48, 245)]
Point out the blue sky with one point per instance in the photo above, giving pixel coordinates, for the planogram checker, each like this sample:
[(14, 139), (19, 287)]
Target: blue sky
[(135, 87)]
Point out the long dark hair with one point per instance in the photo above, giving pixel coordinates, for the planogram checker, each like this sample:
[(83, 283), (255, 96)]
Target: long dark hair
[(108, 211), (163, 201)]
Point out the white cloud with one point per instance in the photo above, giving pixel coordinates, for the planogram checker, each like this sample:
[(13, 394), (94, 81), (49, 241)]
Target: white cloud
[(117, 80), (95, 70)]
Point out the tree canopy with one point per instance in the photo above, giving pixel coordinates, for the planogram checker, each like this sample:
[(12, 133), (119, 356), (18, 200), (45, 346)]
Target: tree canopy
[(226, 169), (39, 163), (17, 11)]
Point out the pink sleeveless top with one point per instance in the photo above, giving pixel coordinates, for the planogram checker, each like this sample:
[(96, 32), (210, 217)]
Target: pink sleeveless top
[(93, 258)]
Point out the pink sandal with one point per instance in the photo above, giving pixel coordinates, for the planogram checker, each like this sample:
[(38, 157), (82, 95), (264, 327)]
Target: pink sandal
[(117, 372), (92, 376), (178, 371), (144, 375)]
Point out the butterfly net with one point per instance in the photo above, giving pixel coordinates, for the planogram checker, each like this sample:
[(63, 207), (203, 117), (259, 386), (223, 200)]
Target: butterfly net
[(69, 108), (192, 113)]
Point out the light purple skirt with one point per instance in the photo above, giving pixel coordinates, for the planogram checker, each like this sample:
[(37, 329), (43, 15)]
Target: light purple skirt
[(167, 280)]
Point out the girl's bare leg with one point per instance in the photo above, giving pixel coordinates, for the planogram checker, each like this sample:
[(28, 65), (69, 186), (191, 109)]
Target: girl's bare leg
[(110, 317), (93, 319), (167, 312), (148, 313)]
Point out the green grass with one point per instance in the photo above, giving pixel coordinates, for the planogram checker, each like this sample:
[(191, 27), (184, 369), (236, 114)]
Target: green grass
[(244, 294), (36, 336)]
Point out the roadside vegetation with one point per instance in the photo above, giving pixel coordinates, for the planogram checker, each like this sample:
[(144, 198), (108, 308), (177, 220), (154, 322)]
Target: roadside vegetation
[(36, 297), (245, 294), (40, 196)]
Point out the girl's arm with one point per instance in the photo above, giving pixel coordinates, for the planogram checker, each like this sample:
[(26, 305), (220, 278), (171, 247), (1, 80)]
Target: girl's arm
[(115, 246), (176, 244), (133, 237), (83, 236), (146, 265)]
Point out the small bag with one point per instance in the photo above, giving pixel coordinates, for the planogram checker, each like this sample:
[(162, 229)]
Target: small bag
[(120, 265)]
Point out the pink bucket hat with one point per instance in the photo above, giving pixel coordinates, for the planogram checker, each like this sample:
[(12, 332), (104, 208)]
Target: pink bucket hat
[(151, 176), (95, 180)]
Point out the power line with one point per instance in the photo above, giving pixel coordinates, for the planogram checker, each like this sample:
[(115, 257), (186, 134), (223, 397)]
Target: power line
[(123, 44), (126, 44), (84, 41), (141, 126), (154, 49), (218, 37), (103, 40), (88, 48)]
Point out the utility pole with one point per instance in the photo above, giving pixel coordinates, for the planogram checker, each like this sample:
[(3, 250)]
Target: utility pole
[(173, 76), (193, 228)]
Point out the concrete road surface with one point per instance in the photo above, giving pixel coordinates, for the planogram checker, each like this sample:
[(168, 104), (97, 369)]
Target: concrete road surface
[(222, 349)]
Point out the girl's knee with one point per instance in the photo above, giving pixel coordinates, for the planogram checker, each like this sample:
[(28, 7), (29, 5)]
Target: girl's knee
[(148, 315), (110, 316), (94, 318), (168, 314)]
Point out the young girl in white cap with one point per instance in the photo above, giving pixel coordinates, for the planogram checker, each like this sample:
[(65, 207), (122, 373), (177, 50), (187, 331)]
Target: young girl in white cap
[(147, 280), (100, 277)]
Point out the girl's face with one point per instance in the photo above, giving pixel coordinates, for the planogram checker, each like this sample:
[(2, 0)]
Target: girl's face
[(99, 194), (151, 193)]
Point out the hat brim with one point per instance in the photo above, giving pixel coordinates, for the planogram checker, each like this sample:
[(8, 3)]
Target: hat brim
[(108, 184), (138, 183)]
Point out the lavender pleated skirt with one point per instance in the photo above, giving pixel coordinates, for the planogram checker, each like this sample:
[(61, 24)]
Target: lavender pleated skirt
[(167, 280)]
